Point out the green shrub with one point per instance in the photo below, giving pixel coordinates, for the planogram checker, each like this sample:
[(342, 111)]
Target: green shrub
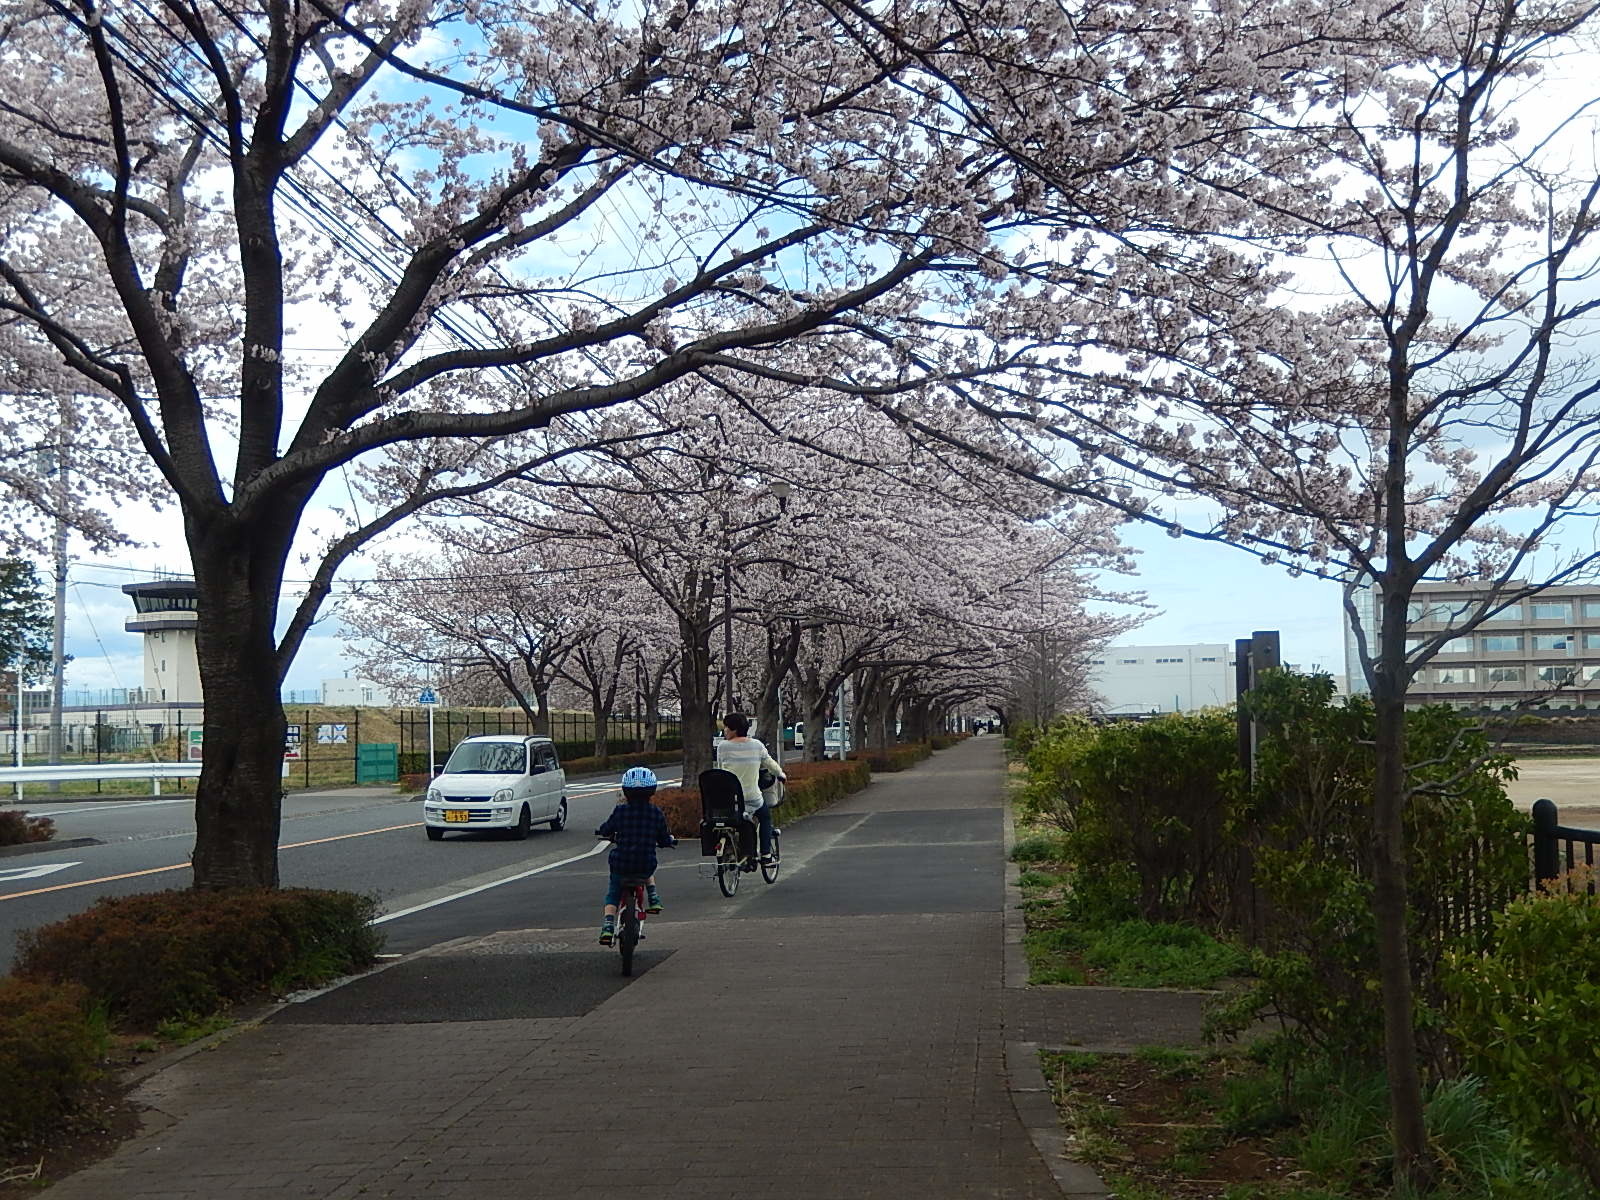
[(1040, 847), (1310, 827), (1154, 798), (187, 954), (1526, 1014), (50, 1045), (18, 828)]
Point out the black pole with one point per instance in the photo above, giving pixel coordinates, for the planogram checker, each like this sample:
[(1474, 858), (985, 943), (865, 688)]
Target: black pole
[(1546, 843)]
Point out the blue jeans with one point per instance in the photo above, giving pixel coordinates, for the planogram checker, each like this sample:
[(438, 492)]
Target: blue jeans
[(614, 888)]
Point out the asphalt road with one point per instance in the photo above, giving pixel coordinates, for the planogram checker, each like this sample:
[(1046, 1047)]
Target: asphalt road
[(362, 840)]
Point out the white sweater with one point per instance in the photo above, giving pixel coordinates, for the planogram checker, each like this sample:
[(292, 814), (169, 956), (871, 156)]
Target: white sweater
[(745, 757)]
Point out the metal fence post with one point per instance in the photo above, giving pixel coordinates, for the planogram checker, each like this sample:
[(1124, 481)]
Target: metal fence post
[(1546, 846)]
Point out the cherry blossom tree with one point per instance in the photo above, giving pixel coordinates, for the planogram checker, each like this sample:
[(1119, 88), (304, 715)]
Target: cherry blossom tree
[(1439, 420), (421, 620), (500, 215)]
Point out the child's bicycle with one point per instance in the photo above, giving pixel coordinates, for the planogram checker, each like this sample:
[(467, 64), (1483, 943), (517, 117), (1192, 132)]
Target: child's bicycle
[(631, 912), (725, 833)]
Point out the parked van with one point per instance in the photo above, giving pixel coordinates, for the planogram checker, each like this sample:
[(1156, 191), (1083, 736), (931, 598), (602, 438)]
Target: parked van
[(498, 781)]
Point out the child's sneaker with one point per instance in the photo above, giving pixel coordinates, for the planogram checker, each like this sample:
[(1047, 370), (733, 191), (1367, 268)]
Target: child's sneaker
[(608, 931), (652, 901)]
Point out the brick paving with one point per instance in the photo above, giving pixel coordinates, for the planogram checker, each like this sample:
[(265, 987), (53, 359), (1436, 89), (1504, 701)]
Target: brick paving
[(830, 1054)]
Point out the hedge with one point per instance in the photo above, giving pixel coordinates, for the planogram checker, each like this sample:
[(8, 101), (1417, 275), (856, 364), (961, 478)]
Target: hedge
[(896, 758), (811, 786), (18, 828), (176, 955), (415, 762), (50, 1047), (416, 784)]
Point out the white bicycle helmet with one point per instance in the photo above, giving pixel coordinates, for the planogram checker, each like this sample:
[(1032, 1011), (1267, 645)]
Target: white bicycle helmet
[(638, 777)]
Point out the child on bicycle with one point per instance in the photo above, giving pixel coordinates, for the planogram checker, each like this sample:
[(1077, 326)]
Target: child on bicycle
[(636, 827)]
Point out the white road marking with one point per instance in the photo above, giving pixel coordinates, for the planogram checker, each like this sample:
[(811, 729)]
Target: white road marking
[(484, 887), (10, 874)]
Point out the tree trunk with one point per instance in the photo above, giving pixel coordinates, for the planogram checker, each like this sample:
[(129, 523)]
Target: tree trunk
[(1413, 1160), (694, 689), (239, 799), (598, 711)]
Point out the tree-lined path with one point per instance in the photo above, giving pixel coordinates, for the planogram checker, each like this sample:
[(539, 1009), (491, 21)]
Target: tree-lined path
[(839, 1034)]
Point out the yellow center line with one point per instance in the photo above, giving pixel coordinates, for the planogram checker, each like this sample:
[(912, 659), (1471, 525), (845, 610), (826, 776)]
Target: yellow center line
[(61, 887)]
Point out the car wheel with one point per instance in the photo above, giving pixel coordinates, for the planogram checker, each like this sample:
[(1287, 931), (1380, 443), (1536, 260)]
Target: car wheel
[(559, 821), (523, 825), (435, 834)]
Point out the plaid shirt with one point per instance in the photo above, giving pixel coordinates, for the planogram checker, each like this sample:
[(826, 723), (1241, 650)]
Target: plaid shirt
[(637, 829)]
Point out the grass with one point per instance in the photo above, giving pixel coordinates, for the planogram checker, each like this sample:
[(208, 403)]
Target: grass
[(1064, 946), (1182, 1125), (182, 1031)]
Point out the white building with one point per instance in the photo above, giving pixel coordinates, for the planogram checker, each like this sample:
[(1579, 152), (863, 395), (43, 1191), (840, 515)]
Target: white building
[(1153, 679), (166, 612), (356, 692)]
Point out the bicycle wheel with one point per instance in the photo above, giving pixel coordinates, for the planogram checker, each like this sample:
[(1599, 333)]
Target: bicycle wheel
[(769, 870), (628, 933), (728, 864)]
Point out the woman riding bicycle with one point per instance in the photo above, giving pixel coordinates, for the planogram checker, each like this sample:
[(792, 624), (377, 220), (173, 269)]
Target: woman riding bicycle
[(747, 757)]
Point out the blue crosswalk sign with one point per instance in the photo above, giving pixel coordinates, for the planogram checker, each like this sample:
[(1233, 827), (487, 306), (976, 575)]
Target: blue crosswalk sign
[(429, 696)]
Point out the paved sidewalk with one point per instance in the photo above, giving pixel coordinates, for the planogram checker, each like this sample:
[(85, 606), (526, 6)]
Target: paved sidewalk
[(855, 1050)]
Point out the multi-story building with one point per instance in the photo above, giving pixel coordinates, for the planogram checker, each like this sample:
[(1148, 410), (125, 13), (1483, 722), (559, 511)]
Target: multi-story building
[(1543, 651)]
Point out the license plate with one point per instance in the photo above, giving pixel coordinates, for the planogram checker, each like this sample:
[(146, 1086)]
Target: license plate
[(456, 816)]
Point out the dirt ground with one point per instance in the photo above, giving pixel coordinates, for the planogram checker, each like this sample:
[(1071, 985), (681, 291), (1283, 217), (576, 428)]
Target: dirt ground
[(1573, 783)]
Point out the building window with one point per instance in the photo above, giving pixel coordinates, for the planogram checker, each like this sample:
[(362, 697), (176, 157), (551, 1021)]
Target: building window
[(1591, 641), (1505, 675), (1097, 662), (1552, 641), (1455, 675), (1497, 642), (1562, 674), (1212, 658), (1512, 612), (1591, 610), (1169, 660), (1591, 673), (1129, 662), (1550, 610)]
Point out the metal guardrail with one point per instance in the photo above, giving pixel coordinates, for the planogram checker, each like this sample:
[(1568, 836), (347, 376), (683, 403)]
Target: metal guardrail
[(155, 772)]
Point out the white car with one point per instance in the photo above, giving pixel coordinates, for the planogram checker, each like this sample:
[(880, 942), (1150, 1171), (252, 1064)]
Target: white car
[(498, 781)]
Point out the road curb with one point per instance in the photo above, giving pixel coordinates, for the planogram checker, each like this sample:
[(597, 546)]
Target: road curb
[(1036, 1109), (1031, 1098), (46, 847)]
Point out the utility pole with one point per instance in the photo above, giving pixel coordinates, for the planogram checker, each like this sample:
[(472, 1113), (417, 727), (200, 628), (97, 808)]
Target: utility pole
[(58, 659)]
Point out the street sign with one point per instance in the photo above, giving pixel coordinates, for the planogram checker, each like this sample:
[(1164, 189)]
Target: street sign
[(333, 735), (291, 741), (196, 744), (429, 696)]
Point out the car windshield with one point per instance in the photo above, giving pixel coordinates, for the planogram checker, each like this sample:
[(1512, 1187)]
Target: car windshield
[(488, 758)]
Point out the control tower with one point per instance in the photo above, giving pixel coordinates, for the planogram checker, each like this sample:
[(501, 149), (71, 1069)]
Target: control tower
[(166, 612)]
